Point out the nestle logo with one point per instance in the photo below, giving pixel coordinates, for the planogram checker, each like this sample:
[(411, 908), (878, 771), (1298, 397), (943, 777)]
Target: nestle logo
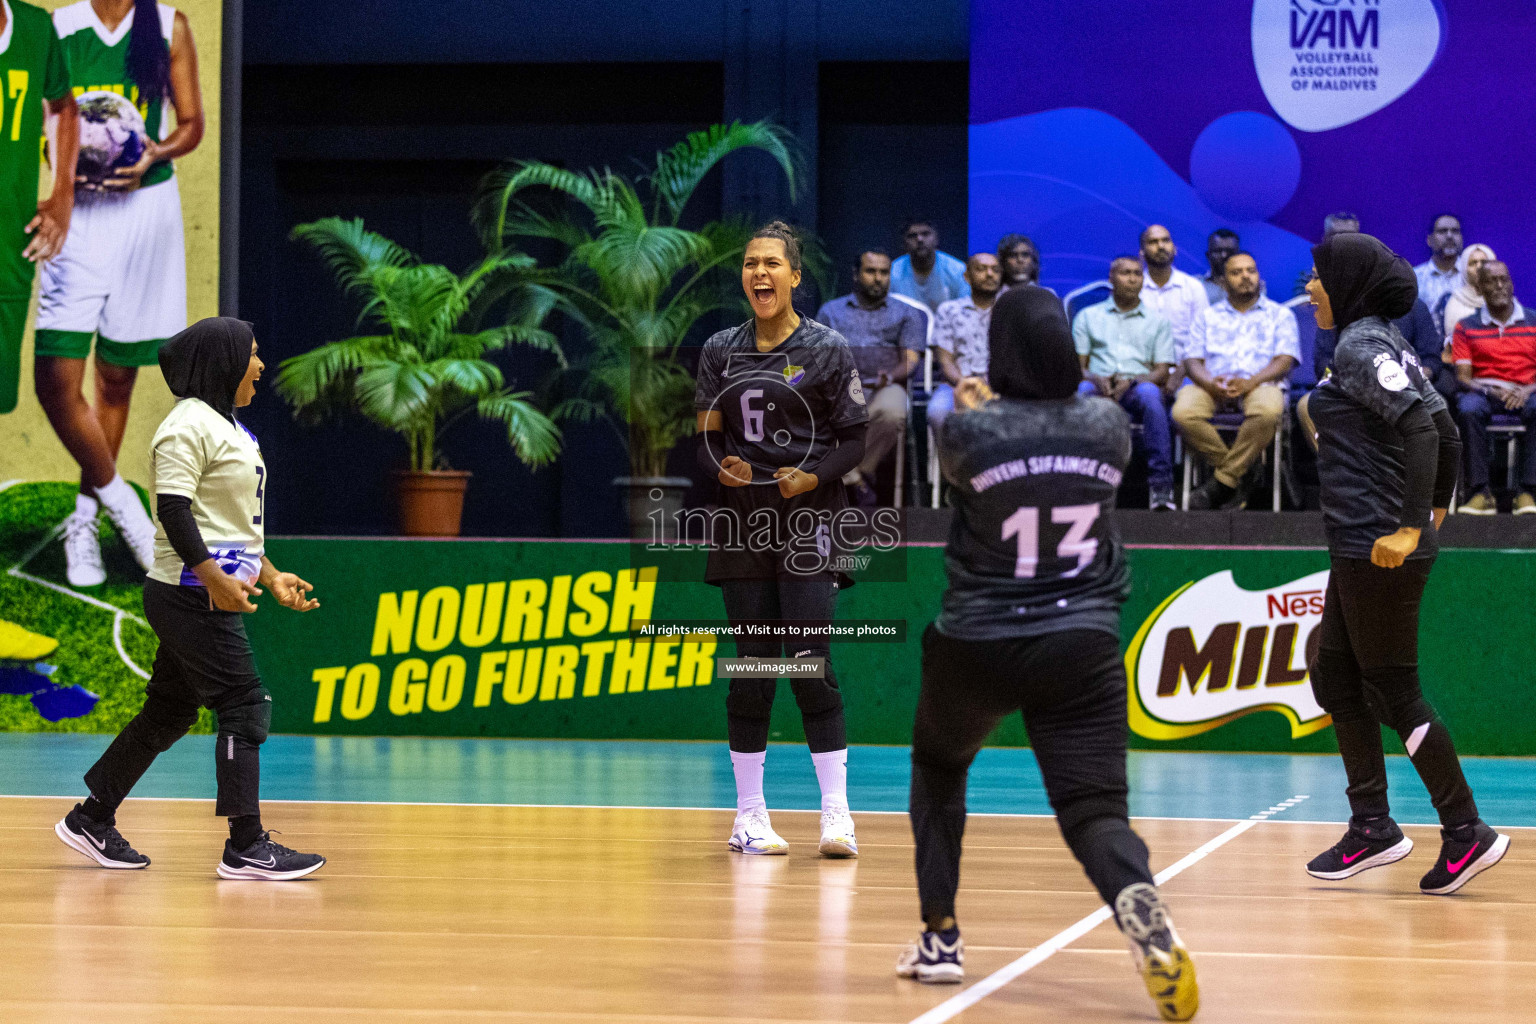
[(1293, 604)]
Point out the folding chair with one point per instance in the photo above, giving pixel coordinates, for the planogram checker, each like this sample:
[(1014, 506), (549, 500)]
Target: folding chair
[(1231, 422), (1508, 426)]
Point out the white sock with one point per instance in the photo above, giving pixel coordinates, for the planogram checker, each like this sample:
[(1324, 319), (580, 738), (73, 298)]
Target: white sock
[(86, 506), (117, 493), (832, 773), (749, 780)]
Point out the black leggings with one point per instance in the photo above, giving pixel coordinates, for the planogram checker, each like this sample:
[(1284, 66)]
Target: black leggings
[(1071, 688), (204, 661), (749, 704), (1366, 674)]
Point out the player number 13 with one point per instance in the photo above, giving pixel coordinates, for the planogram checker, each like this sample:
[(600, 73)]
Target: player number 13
[(1025, 526)]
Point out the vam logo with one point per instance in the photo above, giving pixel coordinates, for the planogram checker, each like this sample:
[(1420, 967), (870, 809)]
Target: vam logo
[(1327, 63), (1214, 652)]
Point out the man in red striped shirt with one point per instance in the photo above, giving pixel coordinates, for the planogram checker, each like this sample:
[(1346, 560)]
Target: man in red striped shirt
[(1495, 353)]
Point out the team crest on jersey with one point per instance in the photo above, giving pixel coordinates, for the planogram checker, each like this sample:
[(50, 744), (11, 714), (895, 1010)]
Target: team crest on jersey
[(856, 388), (793, 374)]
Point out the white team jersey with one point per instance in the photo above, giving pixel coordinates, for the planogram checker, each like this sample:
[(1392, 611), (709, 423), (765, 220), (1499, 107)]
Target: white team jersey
[(217, 463)]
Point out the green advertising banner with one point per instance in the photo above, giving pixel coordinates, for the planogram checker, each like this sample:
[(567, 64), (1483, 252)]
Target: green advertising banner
[(470, 638), (534, 639)]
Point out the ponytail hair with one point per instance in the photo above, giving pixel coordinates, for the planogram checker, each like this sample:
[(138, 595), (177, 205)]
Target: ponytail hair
[(149, 57), (786, 234)]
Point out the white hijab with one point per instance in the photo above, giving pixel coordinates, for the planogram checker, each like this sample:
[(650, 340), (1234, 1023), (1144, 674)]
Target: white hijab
[(1465, 290)]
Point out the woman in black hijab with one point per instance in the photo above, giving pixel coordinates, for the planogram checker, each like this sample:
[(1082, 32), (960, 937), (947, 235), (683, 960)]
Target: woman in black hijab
[(210, 556), (1387, 458), (1031, 622)]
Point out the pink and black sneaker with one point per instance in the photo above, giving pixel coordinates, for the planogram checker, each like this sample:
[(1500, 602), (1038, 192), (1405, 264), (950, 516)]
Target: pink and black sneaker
[(1463, 860), (1364, 846)]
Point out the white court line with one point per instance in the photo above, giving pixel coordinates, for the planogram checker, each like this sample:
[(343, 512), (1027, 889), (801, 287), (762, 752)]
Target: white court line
[(118, 614), (117, 640), (958, 1004)]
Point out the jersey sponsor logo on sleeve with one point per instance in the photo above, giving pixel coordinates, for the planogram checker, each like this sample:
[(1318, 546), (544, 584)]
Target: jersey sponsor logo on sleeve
[(1214, 651), (1391, 375), (856, 388)]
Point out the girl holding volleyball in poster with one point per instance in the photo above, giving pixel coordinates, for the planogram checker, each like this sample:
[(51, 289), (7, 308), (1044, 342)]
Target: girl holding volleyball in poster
[(121, 277)]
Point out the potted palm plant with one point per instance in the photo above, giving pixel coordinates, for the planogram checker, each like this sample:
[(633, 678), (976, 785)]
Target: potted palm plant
[(423, 367), (635, 282)]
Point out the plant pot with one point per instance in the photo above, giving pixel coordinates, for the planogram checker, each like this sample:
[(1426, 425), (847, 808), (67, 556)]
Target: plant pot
[(652, 504), (430, 504)]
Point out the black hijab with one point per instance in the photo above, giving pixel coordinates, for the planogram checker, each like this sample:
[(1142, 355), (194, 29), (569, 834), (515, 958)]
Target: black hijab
[(1030, 344), (208, 361), (1364, 278)]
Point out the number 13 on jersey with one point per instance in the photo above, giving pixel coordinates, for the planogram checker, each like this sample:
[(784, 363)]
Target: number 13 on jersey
[(1024, 526)]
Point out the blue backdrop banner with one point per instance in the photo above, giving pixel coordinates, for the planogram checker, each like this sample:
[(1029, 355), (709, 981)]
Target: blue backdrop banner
[(1101, 117)]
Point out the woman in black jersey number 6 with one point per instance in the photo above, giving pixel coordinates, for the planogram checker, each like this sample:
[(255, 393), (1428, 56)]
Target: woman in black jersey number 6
[(1387, 456), (210, 556), (1031, 622), (781, 418)]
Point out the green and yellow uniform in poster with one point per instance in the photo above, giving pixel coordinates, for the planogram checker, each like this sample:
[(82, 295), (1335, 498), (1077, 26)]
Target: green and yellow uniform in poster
[(98, 62), (32, 70)]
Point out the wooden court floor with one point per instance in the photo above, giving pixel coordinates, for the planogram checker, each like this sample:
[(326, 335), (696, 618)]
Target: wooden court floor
[(486, 913)]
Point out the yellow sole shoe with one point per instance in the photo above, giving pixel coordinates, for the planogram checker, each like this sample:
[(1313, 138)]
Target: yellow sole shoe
[(1171, 983), (18, 644)]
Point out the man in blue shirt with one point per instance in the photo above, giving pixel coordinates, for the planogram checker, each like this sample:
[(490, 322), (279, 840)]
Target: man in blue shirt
[(1127, 352), (1438, 275), (888, 336), (924, 273)]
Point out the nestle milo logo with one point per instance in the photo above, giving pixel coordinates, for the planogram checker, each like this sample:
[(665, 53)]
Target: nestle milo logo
[(1214, 651)]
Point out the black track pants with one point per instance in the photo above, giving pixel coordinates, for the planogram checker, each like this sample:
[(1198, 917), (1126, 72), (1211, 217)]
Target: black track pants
[(204, 660), (1366, 674), (1071, 688)]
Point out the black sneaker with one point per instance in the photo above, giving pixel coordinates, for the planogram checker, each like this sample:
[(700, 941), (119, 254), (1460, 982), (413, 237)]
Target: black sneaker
[(936, 958), (1459, 863), (103, 844), (267, 860), (1211, 494), (1162, 961), (1362, 848)]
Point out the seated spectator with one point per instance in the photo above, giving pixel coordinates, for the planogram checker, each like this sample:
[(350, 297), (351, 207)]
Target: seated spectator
[(1020, 258), (1222, 243), (924, 273), (1495, 350), (1467, 297), (1438, 275), (1170, 293), (1127, 351), (887, 337), (1240, 352), (960, 334)]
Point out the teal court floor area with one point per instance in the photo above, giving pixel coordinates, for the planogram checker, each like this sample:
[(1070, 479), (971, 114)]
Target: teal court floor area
[(698, 775)]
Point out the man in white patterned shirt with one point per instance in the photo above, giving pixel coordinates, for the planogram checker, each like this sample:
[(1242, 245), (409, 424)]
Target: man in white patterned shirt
[(960, 334), (1240, 352), (1170, 293)]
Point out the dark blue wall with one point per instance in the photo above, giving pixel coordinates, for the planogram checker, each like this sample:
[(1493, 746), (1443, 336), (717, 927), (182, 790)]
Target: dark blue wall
[(391, 110), (475, 31)]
